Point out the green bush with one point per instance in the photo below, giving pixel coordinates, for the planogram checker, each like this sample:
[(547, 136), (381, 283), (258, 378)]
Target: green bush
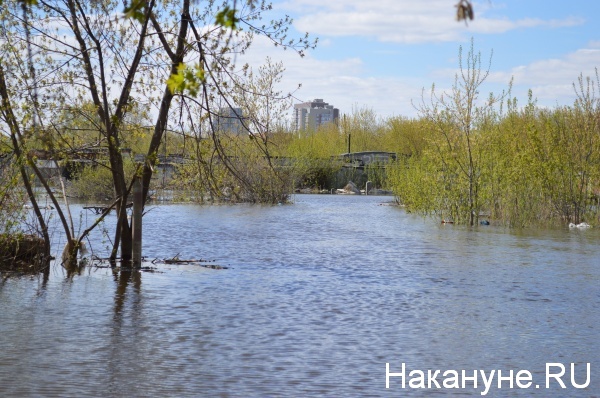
[(96, 182)]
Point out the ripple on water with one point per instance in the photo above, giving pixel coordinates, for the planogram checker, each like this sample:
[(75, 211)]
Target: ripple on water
[(318, 297)]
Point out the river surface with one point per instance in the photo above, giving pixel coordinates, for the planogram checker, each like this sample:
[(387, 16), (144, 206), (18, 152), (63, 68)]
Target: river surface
[(318, 296)]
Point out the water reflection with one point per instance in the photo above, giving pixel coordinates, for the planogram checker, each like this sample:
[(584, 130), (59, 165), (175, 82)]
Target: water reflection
[(123, 277), (121, 363)]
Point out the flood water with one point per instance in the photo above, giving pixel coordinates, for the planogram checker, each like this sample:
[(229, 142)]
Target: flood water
[(318, 296)]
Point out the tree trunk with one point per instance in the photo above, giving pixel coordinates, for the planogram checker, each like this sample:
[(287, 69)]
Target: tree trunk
[(163, 115), (15, 133)]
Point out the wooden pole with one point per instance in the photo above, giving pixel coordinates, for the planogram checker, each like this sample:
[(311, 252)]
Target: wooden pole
[(349, 140), (138, 204)]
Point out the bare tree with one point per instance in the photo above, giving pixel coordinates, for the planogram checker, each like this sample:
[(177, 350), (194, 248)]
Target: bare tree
[(90, 52)]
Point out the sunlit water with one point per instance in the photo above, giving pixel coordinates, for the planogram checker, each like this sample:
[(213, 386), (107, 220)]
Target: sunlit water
[(318, 297)]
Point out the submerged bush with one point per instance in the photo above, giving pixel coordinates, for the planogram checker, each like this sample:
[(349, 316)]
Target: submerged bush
[(96, 182), (22, 253), (11, 198)]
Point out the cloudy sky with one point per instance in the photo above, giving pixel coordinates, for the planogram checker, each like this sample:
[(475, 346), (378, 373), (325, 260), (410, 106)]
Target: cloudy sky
[(381, 54)]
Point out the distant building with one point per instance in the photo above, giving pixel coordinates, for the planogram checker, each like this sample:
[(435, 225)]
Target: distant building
[(230, 120), (312, 115)]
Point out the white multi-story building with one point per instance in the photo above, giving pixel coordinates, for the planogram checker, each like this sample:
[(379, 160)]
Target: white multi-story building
[(229, 120), (313, 114)]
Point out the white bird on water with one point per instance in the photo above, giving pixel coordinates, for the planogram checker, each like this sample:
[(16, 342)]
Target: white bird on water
[(582, 225), (29, 207)]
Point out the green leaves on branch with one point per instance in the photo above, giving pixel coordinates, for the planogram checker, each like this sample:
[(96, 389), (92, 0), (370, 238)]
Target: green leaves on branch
[(25, 2), (187, 79), (135, 10), (226, 18)]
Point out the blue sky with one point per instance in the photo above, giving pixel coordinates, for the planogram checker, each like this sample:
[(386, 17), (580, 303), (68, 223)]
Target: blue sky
[(381, 54)]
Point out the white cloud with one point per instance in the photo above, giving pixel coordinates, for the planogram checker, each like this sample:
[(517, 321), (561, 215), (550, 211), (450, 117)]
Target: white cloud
[(404, 21), (351, 82), (551, 80), (555, 71), (343, 83), (502, 25)]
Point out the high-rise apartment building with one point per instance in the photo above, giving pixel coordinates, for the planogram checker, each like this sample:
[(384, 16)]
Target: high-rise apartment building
[(313, 114), (229, 120)]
